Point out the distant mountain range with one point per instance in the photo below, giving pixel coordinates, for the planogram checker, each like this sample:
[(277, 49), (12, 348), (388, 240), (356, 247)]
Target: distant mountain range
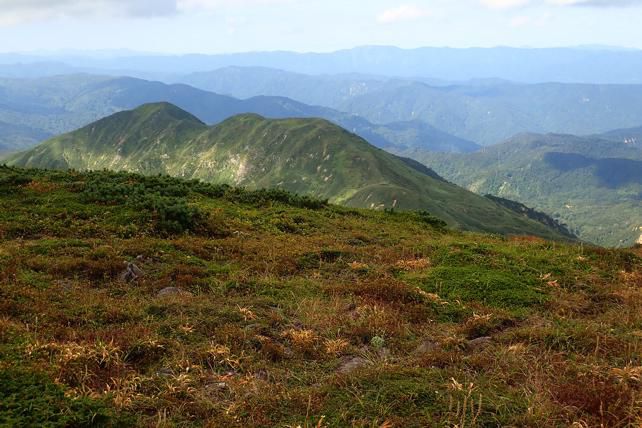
[(593, 184), (568, 65), (403, 116), (307, 156), (326, 90), (18, 137), (48, 106), (630, 136), (484, 111)]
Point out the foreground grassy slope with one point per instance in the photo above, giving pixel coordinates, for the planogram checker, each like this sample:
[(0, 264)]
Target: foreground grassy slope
[(290, 312), (592, 184), (306, 156)]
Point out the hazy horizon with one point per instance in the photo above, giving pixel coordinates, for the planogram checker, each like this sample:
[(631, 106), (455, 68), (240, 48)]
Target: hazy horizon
[(122, 52), (230, 26)]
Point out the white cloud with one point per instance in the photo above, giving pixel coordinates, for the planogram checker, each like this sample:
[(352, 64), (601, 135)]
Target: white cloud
[(18, 11), (405, 12), (13, 12), (219, 4), (596, 3), (514, 4), (520, 21), (504, 4), (534, 20)]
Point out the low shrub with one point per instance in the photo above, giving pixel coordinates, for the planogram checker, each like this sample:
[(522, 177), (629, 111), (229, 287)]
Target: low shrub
[(31, 399)]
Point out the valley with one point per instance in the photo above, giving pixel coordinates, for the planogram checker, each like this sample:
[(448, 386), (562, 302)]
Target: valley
[(591, 184)]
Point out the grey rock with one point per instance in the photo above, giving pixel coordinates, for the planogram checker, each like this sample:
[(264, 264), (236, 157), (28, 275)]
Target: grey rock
[(165, 372), (131, 273), (142, 259), (216, 387), (427, 345), (217, 390), (352, 364), (480, 342)]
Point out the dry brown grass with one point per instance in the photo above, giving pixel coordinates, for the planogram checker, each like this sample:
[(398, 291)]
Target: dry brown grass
[(273, 316), (413, 264)]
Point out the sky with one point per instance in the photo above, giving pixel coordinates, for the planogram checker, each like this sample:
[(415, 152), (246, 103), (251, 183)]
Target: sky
[(223, 26)]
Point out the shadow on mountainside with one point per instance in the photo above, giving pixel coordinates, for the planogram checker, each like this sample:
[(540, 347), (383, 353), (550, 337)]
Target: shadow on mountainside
[(611, 172)]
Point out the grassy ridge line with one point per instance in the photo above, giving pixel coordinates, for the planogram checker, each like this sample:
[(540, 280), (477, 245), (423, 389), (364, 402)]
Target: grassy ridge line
[(305, 156)]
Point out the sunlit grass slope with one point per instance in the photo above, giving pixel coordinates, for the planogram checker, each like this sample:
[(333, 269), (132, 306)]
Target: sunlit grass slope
[(285, 311)]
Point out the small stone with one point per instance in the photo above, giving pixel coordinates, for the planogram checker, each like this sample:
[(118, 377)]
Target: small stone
[(165, 372), (173, 291), (216, 387), (352, 364), (427, 345), (135, 269), (131, 273), (480, 342)]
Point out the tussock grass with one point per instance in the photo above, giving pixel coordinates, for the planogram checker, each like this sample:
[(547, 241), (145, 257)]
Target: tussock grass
[(438, 328)]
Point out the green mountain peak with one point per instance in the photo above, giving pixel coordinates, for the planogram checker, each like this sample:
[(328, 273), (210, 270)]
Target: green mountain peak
[(164, 109), (306, 156)]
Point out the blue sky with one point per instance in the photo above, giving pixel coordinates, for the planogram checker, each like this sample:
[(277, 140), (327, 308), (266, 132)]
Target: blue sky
[(215, 26)]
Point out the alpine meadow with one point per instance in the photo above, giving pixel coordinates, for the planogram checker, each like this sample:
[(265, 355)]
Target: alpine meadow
[(298, 214)]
